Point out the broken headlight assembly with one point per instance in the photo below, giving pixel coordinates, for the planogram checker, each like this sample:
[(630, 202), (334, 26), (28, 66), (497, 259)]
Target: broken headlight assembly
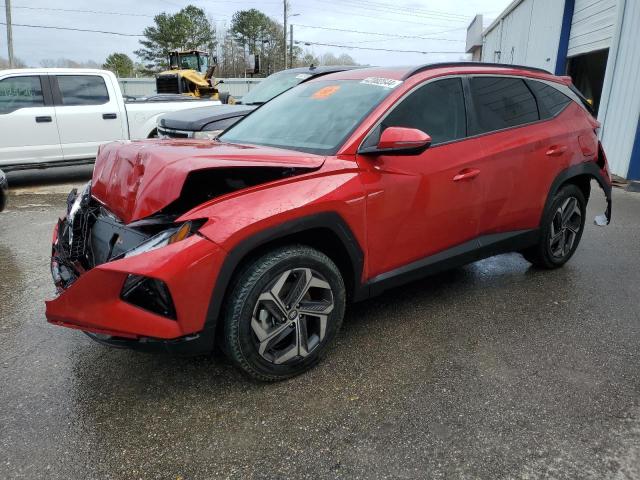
[(207, 134), (164, 238)]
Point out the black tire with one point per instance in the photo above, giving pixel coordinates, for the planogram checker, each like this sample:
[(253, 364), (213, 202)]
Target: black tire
[(544, 255), (261, 277)]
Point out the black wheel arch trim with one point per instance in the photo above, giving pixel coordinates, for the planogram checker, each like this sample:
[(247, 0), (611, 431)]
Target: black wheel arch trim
[(586, 168), (326, 220)]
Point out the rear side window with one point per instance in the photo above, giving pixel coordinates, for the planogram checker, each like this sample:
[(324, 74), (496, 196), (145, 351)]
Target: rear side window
[(436, 108), (83, 90), (501, 102), (550, 99), (20, 92)]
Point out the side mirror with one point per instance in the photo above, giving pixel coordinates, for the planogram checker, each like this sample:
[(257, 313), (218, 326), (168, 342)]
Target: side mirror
[(401, 141)]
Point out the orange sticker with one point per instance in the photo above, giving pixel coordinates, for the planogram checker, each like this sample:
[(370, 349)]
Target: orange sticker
[(326, 91)]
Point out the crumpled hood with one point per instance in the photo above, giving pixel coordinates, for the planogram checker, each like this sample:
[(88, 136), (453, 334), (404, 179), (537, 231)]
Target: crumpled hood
[(137, 179)]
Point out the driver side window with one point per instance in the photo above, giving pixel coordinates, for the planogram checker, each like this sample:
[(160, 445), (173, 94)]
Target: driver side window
[(436, 108)]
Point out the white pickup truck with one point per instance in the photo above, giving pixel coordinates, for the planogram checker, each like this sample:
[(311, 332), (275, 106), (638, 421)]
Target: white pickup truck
[(54, 116)]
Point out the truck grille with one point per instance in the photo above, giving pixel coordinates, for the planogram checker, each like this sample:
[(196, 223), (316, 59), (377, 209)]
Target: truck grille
[(171, 133), (168, 84)]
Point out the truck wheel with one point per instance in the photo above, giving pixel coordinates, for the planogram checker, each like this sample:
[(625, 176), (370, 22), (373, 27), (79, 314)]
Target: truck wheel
[(283, 311), (561, 229)]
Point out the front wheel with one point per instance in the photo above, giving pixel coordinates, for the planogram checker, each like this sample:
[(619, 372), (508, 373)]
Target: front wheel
[(283, 311), (561, 229)]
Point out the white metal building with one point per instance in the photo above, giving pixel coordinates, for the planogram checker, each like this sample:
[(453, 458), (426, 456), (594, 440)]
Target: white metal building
[(597, 42)]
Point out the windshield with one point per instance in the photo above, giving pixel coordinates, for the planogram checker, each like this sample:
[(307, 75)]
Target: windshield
[(273, 85), (314, 117)]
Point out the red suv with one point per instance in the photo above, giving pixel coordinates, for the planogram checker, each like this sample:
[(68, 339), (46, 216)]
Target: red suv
[(332, 192)]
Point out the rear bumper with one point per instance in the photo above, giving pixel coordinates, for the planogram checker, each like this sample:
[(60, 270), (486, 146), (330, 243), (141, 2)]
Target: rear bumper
[(94, 303)]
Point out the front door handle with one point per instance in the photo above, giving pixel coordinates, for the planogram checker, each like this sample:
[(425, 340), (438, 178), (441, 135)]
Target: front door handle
[(556, 150), (466, 175), (44, 119), (109, 116)]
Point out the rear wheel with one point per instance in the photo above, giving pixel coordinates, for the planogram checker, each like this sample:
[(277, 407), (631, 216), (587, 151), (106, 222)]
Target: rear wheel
[(561, 231), (283, 311)]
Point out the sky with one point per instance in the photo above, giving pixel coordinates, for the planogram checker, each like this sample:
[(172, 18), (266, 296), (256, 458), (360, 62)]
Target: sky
[(444, 22)]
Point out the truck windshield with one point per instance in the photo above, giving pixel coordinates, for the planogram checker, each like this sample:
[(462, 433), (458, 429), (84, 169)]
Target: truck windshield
[(273, 85), (314, 117)]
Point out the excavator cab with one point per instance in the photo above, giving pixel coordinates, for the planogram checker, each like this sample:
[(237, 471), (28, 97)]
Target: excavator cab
[(190, 73), (193, 60)]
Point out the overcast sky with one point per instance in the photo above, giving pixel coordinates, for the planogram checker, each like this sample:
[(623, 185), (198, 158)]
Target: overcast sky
[(444, 20)]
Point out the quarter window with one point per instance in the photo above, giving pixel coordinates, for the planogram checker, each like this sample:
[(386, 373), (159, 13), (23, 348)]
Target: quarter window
[(502, 103), (550, 100), (83, 90), (436, 108), (20, 92)]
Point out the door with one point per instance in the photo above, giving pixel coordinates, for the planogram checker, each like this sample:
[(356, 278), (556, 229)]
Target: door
[(520, 154), (29, 132), (419, 205), (88, 114)]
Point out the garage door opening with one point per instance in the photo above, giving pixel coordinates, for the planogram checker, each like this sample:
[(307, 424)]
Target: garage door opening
[(587, 72)]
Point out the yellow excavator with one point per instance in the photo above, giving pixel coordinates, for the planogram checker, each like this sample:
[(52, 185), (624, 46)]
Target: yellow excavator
[(190, 73)]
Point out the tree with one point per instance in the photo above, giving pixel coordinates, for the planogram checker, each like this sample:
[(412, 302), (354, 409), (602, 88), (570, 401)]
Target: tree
[(120, 64), (249, 26), (306, 60), (68, 63), (17, 63), (189, 29), (330, 59)]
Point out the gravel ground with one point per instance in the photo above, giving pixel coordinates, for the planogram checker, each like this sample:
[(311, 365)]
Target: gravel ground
[(495, 370)]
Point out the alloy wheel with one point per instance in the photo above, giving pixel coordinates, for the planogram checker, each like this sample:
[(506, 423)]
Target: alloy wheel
[(565, 227), (290, 317)]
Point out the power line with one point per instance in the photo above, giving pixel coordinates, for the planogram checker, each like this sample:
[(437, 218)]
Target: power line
[(100, 12), (413, 12), (377, 33), (366, 6), (435, 13), (75, 29), (353, 14), (371, 48)]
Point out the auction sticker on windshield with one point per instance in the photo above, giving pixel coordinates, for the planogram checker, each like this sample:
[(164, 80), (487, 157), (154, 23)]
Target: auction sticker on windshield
[(381, 82), (302, 76), (326, 91)]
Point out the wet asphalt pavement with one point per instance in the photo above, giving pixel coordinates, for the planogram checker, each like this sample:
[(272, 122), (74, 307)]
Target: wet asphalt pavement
[(495, 370)]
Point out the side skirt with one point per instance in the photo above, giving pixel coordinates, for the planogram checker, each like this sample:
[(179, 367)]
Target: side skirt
[(43, 165), (471, 251)]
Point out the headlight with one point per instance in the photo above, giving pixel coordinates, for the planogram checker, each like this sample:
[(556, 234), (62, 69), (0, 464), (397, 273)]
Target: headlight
[(162, 239), (74, 208), (207, 134)]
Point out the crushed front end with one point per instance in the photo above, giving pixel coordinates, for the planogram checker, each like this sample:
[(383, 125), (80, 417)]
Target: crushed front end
[(145, 285)]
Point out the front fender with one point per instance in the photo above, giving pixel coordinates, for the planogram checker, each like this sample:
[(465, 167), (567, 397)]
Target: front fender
[(240, 224), (233, 219)]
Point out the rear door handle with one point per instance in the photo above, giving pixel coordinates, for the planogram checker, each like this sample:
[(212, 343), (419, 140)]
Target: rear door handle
[(556, 150), (109, 116), (466, 175), (44, 119)]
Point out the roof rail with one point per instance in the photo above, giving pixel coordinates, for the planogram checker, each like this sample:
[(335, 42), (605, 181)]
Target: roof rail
[(430, 66)]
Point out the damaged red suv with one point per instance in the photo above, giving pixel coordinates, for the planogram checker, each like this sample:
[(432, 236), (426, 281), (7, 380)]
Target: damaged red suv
[(332, 192)]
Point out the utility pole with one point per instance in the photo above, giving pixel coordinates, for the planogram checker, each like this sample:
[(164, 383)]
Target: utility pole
[(285, 34), (291, 45), (7, 5)]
